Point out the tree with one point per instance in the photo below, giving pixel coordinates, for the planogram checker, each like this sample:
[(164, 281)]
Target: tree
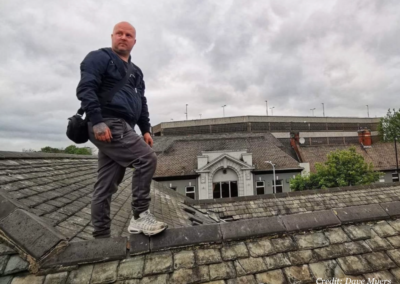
[(72, 149), (83, 151), (49, 149), (389, 126), (343, 168)]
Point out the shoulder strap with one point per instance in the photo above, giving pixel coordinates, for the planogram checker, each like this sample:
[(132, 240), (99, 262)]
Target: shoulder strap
[(107, 97)]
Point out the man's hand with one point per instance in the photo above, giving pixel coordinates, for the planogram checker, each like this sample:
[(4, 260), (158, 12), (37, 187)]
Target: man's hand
[(148, 139), (102, 132)]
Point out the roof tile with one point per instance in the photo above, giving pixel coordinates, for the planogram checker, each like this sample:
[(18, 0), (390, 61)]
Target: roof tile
[(336, 235), (131, 268), (159, 279), (192, 275), (378, 244), (28, 279), (234, 251), (284, 244), (379, 261), (394, 241), (395, 224), (105, 272), (394, 255), (159, 262), (383, 229), (385, 276), (3, 262), (56, 278), (300, 257), (249, 265), (361, 213), (81, 275), (224, 270), (358, 232), (313, 220), (184, 259), (261, 247), (5, 250), (331, 270), (396, 273), (208, 256), (279, 260), (298, 274), (356, 265), (338, 250), (15, 264), (274, 276), (248, 279), (311, 241)]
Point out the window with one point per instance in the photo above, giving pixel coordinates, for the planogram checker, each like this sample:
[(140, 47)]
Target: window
[(279, 185), (395, 177), (225, 189), (190, 192), (260, 187)]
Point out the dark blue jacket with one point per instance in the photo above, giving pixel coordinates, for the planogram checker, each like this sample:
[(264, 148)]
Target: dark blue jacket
[(100, 71)]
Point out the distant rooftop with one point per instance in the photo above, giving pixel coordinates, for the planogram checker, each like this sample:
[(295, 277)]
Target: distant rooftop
[(381, 154), (177, 155), (263, 124)]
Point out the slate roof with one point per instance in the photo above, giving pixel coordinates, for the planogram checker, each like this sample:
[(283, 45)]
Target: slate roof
[(381, 154), (298, 202), (357, 243), (178, 155), (340, 233), (59, 188)]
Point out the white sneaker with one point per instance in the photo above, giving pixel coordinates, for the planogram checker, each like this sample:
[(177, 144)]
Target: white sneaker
[(146, 224)]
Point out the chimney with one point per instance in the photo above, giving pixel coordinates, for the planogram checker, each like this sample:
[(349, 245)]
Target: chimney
[(294, 140), (364, 137)]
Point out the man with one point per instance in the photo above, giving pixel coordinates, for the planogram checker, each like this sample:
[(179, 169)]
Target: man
[(111, 129)]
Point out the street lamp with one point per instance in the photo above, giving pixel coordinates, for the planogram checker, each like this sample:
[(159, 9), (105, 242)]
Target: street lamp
[(200, 115), (323, 109), (312, 109), (367, 110), (273, 170), (272, 110), (266, 106), (186, 112), (223, 110)]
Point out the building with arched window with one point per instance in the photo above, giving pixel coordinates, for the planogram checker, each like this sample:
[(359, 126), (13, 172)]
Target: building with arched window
[(225, 165)]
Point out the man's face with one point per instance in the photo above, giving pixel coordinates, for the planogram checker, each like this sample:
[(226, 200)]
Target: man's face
[(123, 38)]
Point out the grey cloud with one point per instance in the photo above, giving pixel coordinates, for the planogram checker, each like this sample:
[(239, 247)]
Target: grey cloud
[(296, 55)]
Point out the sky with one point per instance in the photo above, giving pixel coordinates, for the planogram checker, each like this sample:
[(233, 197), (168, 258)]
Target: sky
[(294, 54)]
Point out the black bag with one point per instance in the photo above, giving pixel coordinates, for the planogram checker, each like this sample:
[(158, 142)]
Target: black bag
[(77, 128)]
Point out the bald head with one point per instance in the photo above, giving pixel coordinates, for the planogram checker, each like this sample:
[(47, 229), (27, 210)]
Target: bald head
[(123, 39), (124, 25)]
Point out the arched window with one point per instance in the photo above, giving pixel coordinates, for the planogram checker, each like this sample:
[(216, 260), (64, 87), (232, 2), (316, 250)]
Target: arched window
[(225, 184)]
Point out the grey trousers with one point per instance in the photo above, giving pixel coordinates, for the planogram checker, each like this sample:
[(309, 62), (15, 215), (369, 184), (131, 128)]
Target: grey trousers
[(126, 150)]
